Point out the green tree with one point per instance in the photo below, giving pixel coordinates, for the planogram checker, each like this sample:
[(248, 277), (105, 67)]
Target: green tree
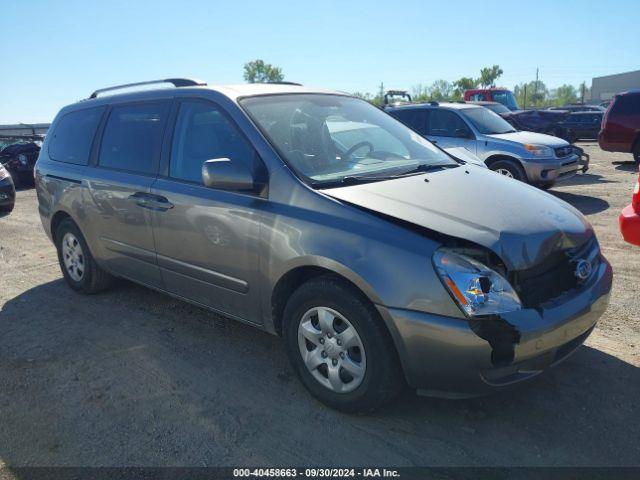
[(536, 94), (489, 75), (565, 94), (462, 84), (259, 72), (519, 91), (440, 91), (420, 93)]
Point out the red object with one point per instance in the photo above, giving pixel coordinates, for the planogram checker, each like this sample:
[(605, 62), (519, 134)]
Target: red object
[(620, 131), (630, 218), (493, 94)]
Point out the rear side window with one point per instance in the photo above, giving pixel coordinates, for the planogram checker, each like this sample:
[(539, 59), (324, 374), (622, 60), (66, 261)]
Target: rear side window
[(414, 118), (445, 123), (133, 137), (626, 105), (71, 140), (203, 132)]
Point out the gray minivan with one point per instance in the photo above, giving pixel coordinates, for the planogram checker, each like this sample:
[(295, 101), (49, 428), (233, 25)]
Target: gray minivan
[(311, 214)]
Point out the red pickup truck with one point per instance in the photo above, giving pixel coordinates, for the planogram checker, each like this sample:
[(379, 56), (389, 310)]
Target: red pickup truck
[(493, 94)]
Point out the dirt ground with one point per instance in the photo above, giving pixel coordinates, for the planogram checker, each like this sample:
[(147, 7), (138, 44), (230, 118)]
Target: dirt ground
[(132, 377)]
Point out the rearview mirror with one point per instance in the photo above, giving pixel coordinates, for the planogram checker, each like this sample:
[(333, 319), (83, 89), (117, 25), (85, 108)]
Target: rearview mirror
[(462, 133), (223, 174)]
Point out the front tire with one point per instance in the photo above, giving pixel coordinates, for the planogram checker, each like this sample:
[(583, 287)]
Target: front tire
[(78, 266), (340, 348), (509, 168), (636, 153)]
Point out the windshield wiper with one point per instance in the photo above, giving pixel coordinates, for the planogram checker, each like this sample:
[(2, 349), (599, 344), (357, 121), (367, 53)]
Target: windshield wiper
[(357, 179), (425, 167)]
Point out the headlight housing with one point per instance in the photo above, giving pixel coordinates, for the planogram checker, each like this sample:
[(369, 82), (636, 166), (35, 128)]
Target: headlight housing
[(477, 289), (538, 150), (3, 172)]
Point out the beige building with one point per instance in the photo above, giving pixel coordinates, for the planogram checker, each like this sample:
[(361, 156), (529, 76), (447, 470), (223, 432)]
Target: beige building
[(604, 88)]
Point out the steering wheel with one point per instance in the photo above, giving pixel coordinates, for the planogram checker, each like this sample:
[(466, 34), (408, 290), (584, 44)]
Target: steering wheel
[(358, 146)]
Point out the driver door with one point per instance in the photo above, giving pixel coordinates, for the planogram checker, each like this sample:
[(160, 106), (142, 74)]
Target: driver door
[(208, 240)]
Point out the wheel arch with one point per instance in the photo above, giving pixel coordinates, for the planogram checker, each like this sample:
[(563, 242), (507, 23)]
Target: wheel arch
[(56, 220), (501, 156), (305, 268)]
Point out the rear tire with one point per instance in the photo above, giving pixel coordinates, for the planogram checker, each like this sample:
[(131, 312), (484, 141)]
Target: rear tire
[(78, 266), (331, 318), (509, 168), (636, 153)]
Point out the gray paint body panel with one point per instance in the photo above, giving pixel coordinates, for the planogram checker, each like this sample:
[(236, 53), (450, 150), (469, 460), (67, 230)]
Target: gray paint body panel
[(520, 223), (227, 251)]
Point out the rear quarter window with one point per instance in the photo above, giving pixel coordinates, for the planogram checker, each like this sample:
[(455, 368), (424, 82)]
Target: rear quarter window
[(132, 137), (416, 119), (73, 135)]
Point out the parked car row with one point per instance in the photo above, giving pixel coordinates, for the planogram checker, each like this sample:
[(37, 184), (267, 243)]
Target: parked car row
[(19, 159), (7, 192), (381, 259)]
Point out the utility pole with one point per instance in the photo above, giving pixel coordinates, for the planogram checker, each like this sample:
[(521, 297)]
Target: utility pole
[(525, 97), (582, 93), (535, 89)]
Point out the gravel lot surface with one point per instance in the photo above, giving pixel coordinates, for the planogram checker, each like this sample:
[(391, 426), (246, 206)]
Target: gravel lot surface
[(132, 377)]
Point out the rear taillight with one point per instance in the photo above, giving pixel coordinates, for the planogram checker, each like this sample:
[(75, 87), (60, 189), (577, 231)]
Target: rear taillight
[(635, 200)]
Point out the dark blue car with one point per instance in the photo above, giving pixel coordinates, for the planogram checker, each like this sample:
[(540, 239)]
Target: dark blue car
[(582, 125)]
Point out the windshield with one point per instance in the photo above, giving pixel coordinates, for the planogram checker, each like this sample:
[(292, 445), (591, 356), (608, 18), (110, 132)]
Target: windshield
[(496, 107), (506, 98), (329, 139), (486, 121)]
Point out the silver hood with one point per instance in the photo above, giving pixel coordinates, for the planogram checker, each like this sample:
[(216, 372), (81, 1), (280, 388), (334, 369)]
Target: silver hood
[(520, 223), (532, 137)]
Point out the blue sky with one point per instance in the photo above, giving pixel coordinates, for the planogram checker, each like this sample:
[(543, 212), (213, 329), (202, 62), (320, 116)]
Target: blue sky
[(56, 52)]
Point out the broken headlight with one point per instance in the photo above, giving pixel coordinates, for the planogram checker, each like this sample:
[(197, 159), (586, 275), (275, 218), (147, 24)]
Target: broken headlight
[(477, 289)]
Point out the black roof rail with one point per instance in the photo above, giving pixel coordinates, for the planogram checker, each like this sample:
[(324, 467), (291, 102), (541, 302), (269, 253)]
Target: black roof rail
[(177, 82), (284, 82)]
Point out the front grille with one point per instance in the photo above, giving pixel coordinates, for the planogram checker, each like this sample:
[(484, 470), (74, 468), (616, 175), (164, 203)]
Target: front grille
[(555, 276), (562, 152)]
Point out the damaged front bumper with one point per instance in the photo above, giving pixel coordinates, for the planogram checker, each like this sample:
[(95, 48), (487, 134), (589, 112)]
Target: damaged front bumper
[(443, 356)]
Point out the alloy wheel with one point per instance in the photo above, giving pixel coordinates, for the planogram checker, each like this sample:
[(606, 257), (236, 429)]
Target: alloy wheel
[(505, 172)]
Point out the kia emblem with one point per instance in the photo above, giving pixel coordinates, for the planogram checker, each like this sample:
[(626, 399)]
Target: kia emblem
[(583, 270)]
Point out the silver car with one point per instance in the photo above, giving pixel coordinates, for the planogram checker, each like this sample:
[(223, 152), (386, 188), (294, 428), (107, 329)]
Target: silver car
[(313, 215), (535, 158)]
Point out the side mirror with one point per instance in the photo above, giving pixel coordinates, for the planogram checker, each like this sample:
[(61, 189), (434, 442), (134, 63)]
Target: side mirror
[(462, 133), (223, 174)]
